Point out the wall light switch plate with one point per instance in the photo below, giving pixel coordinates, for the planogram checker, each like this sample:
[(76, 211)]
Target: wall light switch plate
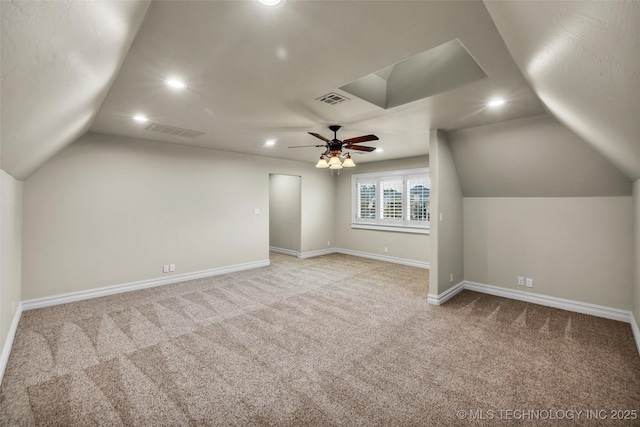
[(529, 283), (172, 267)]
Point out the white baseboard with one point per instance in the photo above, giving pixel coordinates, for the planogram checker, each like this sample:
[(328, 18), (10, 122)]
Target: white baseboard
[(8, 342), (284, 251), (636, 331), (561, 303), (446, 295), (386, 258), (134, 286), (311, 254)]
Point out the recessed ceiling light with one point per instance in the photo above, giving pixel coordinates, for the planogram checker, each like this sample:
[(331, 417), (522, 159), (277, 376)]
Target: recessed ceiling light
[(496, 102), (175, 83), (140, 118), (270, 142), (270, 2), (281, 53)]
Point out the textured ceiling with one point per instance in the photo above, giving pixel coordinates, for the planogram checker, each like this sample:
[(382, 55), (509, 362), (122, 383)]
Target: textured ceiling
[(583, 60), (58, 61), (254, 72)]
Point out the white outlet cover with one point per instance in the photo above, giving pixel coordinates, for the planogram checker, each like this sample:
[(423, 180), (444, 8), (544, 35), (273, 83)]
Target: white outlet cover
[(529, 283), (520, 281), (165, 268), (172, 267)]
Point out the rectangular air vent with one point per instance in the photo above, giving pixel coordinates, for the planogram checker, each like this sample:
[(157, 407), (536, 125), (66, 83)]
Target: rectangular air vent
[(170, 130), (332, 98)]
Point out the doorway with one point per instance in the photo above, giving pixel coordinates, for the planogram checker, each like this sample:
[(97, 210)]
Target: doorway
[(285, 213)]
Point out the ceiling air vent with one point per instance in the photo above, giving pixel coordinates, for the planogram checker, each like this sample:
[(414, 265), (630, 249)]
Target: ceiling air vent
[(170, 130), (332, 98)]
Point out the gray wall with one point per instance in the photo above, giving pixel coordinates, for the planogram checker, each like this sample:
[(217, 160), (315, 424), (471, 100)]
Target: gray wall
[(574, 248), (10, 250), (542, 203), (408, 246), (109, 210), (284, 212), (446, 201)]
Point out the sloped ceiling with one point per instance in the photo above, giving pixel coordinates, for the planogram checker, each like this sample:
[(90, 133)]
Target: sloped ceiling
[(532, 157), (582, 58), (59, 59), (253, 74)]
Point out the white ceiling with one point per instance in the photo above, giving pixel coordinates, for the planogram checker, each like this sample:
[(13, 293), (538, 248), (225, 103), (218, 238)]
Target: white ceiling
[(58, 61), (583, 60), (254, 72)]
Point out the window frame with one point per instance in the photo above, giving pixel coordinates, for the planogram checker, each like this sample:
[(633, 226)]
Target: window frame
[(404, 225)]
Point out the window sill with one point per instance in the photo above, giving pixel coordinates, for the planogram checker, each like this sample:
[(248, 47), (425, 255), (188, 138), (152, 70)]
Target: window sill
[(396, 228)]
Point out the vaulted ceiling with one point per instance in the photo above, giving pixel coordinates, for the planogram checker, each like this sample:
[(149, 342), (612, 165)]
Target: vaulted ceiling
[(582, 58), (254, 73)]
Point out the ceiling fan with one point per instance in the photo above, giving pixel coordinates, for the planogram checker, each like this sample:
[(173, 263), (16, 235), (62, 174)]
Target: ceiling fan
[(333, 149)]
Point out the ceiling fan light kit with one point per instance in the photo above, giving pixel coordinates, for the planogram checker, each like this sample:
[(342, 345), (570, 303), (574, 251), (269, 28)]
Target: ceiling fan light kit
[(348, 162), (322, 163), (334, 160), (334, 148)]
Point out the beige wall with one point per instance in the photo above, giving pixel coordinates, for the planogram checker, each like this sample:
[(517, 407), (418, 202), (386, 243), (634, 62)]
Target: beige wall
[(532, 157), (408, 246), (284, 212), (636, 253), (446, 201), (575, 248), (109, 210), (10, 250)]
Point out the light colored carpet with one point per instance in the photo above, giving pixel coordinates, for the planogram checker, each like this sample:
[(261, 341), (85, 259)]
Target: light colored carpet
[(333, 340)]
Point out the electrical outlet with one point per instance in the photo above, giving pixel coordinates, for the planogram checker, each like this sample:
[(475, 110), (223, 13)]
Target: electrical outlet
[(328, 243), (386, 249), (172, 267), (520, 281), (451, 278), (165, 268), (529, 283)]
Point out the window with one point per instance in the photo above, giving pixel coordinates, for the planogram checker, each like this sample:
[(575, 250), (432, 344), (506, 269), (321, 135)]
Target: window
[(392, 201)]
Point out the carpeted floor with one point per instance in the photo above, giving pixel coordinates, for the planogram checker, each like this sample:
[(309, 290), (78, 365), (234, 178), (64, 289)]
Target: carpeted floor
[(333, 340)]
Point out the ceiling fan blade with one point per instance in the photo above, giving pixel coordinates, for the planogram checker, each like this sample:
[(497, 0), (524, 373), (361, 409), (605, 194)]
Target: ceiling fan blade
[(317, 135), (363, 138), (303, 146), (359, 148)]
